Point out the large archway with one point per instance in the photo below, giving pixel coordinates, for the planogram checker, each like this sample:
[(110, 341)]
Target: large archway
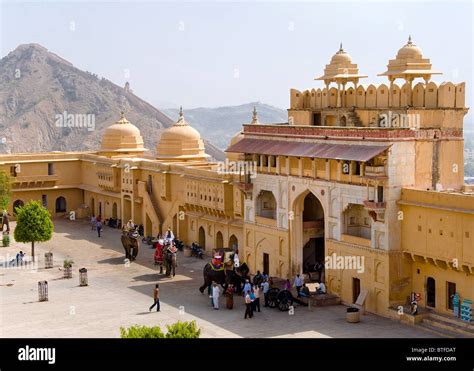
[(202, 238), (308, 234), (313, 233)]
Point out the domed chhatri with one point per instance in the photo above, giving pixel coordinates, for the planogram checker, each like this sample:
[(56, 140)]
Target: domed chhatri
[(410, 50), (181, 142), (409, 64), (122, 137), (341, 69)]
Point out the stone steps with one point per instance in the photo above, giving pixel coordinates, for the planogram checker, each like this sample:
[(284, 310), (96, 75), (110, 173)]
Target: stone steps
[(448, 325)]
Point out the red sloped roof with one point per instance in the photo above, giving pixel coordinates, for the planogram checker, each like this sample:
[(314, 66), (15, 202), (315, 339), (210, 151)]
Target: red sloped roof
[(353, 152)]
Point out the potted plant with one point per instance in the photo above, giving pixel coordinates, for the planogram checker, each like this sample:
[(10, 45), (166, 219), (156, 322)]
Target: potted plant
[(67, 264)]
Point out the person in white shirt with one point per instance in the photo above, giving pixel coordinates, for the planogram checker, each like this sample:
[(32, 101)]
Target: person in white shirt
[(215, 295), (321, 288), (236, 259), (265, 289), (298, 283)]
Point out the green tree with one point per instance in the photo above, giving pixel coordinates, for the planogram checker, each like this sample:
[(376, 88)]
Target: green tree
[(5, 190), (183, 330), (33, 224), (141, 332), (178, 330)]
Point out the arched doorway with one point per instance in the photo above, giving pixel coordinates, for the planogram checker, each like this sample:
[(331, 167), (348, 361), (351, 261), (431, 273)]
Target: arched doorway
[(100, 208), (313, 232), (219, 240), (308, 234), (61, 205), (431, 292), (114, 210), (17, 203), (202, 238), (233, 242)]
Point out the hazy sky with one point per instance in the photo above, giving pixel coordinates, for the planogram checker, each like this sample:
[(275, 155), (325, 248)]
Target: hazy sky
[(227, 53)]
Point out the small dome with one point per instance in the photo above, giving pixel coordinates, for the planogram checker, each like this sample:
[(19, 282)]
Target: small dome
[(410, 50), (341, 57), (122, 136), (181, 141)]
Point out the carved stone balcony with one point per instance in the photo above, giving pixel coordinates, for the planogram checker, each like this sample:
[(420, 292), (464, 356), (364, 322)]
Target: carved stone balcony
[(375, 172), (378, 207)]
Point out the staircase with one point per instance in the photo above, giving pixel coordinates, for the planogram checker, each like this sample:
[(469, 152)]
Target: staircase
[(149, 206), (447, 326), (354, 119)]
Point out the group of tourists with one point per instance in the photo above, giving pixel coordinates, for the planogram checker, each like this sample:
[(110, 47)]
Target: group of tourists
[(302, 290)]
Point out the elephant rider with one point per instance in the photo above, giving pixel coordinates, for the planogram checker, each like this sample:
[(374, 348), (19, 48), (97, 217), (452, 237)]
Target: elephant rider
[(130, 226), (236, 259), (217, 261), (169, 235)]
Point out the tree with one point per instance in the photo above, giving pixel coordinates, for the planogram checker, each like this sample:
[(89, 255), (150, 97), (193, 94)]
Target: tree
[(178, 330), (141, 332), (5, 190), (33, 224)]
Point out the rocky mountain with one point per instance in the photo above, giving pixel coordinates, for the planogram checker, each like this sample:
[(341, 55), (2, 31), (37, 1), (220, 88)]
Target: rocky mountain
[(37, 85), (220, 124)]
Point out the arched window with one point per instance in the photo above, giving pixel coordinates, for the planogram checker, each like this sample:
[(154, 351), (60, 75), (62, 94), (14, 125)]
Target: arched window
[(266, 205), (219, 240), (233, 242)]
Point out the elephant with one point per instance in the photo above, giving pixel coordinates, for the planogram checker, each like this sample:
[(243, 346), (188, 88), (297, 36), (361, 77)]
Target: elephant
[(130, 245), (224, 277), (170, 261)]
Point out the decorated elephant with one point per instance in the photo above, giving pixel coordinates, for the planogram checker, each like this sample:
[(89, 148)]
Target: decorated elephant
[(130, 244), (170, 260), (224, 276)]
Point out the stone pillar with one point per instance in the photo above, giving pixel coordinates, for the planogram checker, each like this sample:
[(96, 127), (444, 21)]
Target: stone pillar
[(300, 167), (390, 93), (313, 168), (288, 170), (328, 170), (278, 165), (338, 98)]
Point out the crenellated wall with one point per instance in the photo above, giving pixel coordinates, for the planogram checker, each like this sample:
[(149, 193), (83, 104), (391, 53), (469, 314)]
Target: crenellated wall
[(430, 95)]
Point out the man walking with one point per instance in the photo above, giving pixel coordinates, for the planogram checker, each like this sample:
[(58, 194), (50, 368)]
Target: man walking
[(298, 284), (156, 298), (99, 227)]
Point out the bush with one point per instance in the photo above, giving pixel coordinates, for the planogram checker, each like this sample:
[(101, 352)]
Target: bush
[(141, 332), (6, 241), (178, 330), (67, 263), (183, 330)]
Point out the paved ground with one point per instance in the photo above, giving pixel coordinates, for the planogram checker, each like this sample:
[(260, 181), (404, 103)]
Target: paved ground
[(119, 295)]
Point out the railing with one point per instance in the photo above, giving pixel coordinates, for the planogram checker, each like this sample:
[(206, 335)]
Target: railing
[(375, 170), (35, 178)]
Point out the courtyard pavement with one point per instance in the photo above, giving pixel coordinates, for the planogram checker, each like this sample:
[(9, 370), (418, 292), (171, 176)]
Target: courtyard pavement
[(120, 295)]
